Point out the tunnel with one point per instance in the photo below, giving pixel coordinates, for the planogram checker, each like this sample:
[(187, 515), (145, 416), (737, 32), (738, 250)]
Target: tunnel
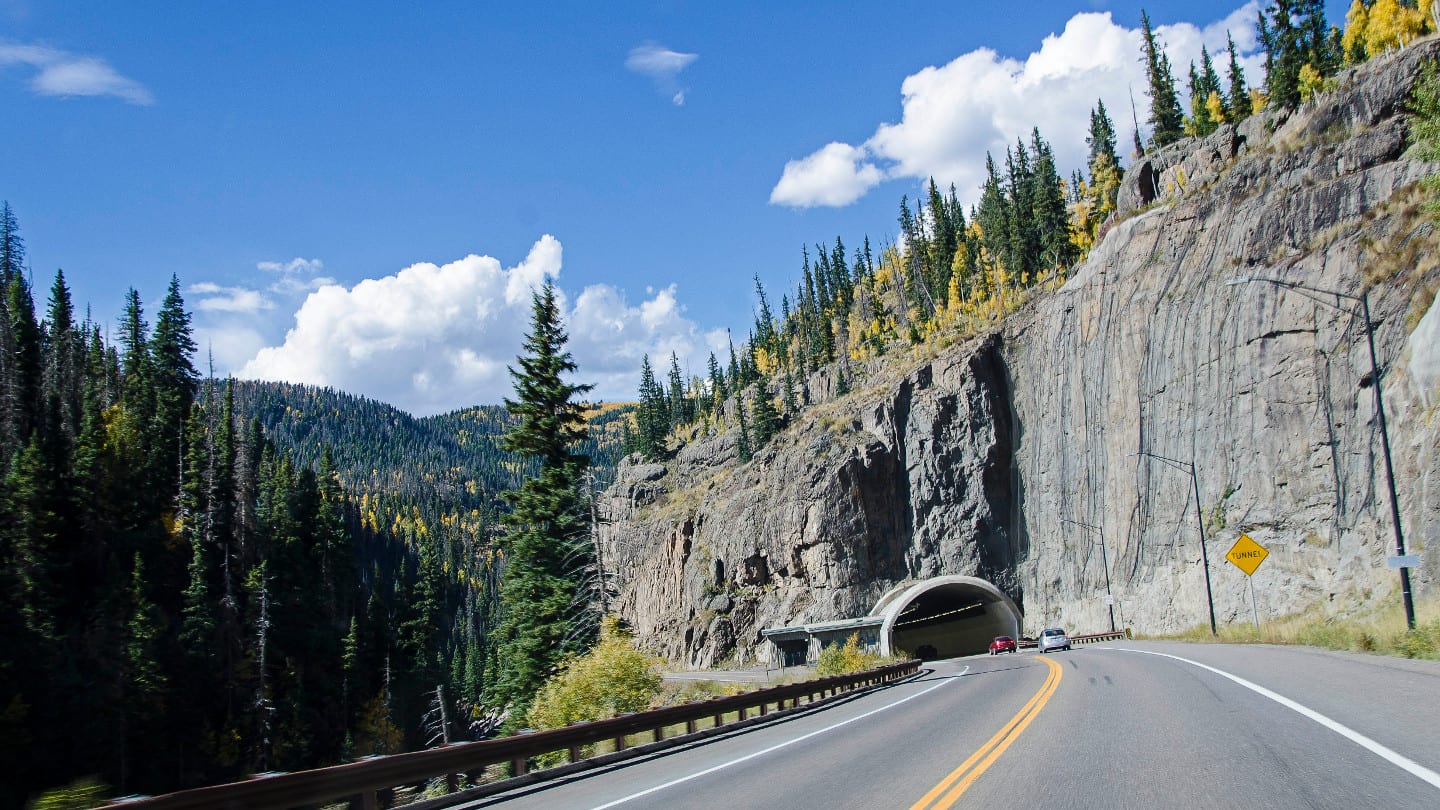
[(945, 617)]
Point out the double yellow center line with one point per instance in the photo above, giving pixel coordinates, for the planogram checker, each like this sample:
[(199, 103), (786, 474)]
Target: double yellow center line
[(953, 786)]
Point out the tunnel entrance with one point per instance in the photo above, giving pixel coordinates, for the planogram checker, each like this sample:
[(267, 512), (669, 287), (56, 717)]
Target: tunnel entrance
[(945, 617)]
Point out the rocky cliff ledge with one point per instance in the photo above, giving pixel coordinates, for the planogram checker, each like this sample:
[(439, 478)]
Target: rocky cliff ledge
[(973, 461)]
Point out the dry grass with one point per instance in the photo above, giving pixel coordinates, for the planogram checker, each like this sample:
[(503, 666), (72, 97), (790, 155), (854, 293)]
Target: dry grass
[(1381, 632)]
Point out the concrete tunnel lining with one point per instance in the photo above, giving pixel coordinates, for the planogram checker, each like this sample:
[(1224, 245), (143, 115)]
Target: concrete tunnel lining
[(954, 615)]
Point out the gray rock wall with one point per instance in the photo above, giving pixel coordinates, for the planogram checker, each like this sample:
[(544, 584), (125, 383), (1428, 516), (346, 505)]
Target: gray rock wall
[(971, 462), (1267, 391)]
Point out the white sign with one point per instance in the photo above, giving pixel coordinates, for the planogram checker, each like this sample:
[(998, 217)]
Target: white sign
[(1408, 561), (1109, 600)]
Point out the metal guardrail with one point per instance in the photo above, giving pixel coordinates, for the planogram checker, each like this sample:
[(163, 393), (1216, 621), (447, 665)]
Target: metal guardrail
[(1089, 638), (369, 783)]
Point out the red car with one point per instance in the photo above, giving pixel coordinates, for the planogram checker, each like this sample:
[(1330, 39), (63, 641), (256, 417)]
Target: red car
[(1002, 644)]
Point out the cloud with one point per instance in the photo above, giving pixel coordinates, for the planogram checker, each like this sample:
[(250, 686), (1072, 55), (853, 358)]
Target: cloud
[(215, 298), (981, 102), (295, 266), (836, 175), (663, 66), (433, 338), (60, 73)]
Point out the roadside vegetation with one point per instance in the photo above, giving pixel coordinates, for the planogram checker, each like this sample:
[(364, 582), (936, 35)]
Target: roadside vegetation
[(1381, 633), (842, 659)]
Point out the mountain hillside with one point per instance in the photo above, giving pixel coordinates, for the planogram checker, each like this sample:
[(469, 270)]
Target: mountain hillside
[(452, 459), (981, 454)]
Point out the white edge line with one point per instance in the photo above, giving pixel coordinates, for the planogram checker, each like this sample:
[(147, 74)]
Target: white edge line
[(773, 748), (1356, 737)]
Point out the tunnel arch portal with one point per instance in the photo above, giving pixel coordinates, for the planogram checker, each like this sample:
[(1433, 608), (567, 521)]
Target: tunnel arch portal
[(944, 617)]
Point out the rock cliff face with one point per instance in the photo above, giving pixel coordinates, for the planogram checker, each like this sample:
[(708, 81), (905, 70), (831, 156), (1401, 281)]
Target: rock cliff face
[(975, 460)]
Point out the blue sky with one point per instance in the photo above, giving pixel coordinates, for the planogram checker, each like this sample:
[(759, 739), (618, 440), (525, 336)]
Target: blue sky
[(361, 194)]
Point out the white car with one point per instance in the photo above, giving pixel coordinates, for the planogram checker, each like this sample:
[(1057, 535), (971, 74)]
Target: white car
[(1052, 639)]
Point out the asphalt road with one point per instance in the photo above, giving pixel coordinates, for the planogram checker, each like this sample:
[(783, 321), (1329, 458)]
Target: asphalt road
[(1115, 725)]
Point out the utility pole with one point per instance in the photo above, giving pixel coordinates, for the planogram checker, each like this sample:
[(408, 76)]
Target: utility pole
[(1189, 467), (1322, 296)]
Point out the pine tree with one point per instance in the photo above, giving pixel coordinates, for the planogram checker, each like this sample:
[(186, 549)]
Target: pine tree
[(63, 351), (174, 379), (992, 216), (717, 385), (767, 420), (1238, 106), (1284, 53), (653, 415), (546, 529), (1104, 166), (1204, 95), (1166, 119), (679, 406), (1051, 217), (24, 381)]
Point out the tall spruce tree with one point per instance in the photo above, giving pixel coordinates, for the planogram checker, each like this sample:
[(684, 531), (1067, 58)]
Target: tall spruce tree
[(1166, 118), (1238, 100), (1284, 53), (546, 529)]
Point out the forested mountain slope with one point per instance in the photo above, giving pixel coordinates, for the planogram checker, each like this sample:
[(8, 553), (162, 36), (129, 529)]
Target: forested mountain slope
[(453, 458)]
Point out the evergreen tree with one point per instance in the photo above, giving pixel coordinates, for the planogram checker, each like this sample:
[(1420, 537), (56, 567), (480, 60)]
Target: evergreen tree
[(546, 529), (1104, 164), (174, 380), (1207, 105), (63, 351), (679, 404), (717, 385), (652, 418), (1051, 217), (12, 246), (767, 420), (1284, 53), (1238, 107), (992, 217), (1166, 119), (1023, 253), (24, 367)]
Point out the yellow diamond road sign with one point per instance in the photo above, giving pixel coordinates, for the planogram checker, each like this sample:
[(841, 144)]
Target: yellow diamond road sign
[(1246, 554)]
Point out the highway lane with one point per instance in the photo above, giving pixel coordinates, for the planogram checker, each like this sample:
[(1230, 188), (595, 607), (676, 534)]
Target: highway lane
[(1121, 727)]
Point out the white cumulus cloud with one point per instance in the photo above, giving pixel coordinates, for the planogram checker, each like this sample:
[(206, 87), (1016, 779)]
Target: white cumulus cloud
[(663, 66), (433, 338), (836, 175), (981, 102), (60, 73)]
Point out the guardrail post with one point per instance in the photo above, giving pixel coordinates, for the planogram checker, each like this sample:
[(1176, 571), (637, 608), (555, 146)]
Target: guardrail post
[(659, 733), (517, 766), (690, 726)]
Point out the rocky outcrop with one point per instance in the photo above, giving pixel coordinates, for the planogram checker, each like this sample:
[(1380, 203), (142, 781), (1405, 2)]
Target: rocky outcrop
[(974, 461), (863, 493)]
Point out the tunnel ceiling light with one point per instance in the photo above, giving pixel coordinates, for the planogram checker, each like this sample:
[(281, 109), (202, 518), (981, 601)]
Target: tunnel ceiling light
[(934, 616)]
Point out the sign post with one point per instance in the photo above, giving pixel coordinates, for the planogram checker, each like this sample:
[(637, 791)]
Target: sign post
[(1247, 555)]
